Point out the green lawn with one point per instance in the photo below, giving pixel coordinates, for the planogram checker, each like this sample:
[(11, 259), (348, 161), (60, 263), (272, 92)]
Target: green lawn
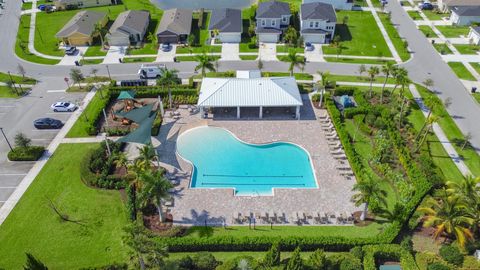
[(4, 77), (244, 47), (248, 57), (95, 51), (415, 15), (358, 61), (461, 71), (91, 61), (467, 48), (148, 48), (79, 129), (286, 49), (6, 92), (477, 97), (476, 66), (433, 15), (199, 49), (192, 58), (34, 227), (27, 6), (453, 31), (21, 44), (298, 76), (139, 59), (398, 43), (427, 31), (284, 58), (361, 36), (364, 79), (442, 48), (471, 158)]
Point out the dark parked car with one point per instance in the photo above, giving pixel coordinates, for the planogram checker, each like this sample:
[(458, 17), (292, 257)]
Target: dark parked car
[(165, 47), (425, 6), (47, 123), (309, 47), (70, 50)]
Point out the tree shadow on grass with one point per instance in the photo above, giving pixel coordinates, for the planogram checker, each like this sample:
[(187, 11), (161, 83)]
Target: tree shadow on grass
[(343, 31)]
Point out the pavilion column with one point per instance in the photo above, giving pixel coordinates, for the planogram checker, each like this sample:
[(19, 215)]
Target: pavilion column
[(201, 112), (260, 113), (297, 113), (238, 112)]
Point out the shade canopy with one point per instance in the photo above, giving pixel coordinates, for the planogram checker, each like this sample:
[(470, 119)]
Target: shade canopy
[(143, 134), (126, 95), (137, 115)]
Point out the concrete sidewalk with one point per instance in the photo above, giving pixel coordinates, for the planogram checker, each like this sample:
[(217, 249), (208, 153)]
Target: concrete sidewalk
[(8, 206)]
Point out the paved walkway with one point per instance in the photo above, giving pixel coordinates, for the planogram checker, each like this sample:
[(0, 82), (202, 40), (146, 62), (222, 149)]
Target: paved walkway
[(31, 37), (384, 33), (114, 54), (35, 170), (442, 138), (166, 56), (316, 55), (230, 52), (268, 51)]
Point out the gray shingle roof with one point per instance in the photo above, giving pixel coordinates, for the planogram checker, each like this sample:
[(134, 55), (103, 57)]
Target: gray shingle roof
[(131, 19), (476, 29), (273, 9), (462, 2), (83, 22), (467, 10), (318, 11), (177, 21), (226, 20), (267, 30), (314, 31)]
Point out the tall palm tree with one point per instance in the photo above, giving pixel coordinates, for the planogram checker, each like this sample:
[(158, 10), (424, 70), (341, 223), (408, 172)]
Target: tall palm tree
[(468, 190), (399, 74), (404, 82), (431, 120), (155, 190), (368, 191), (387, 70), (372, 72), (147, 153), (448, 215), (431, 102), (121, 160), (204, 63), (294, 60), (99, 30), (168, 78)]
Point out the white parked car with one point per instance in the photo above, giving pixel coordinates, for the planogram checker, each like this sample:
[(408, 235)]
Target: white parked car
[(150, 71), (63, 107)]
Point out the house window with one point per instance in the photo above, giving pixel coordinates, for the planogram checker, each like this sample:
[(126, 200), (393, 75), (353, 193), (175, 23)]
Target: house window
[(316, 24), (263, 22), (284, 19), (273, 23), (311, 24), (80, 4), (98, 2)]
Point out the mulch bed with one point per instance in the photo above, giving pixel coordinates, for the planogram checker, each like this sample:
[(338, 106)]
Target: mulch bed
[(152, 222), (369, 219)]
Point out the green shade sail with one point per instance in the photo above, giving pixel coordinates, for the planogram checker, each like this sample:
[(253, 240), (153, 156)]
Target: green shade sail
[(126, 95), (137, 115), (143, 134)]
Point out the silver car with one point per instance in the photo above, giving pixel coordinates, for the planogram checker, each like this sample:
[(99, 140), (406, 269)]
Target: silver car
[(63, 107)]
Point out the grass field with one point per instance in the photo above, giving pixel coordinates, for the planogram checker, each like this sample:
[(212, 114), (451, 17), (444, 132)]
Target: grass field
[(476, 66), (364, 79), (433, 15), (361, 35), (442, 48), (415, 15), (427, 31), (79, 128), (6, 92), (139, 59), (21, 44), (453, 31), (467, 48), (398, 43), (95, 51), (461, 71), (34, 227), (4, 77), (91, 61), (358, 61)]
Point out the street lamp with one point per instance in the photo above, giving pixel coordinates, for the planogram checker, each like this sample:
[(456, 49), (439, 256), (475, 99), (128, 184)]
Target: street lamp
[(6, 139), (108, 71), (13, 83)]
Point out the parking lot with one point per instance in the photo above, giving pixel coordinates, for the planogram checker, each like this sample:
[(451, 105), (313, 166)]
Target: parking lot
[(17, 115)]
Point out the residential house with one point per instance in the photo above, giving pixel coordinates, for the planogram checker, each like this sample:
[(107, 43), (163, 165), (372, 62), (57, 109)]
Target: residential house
[(465, 15), (80, 30), (228, 23), (337, 4), (129, 27), (272, 17), (74, 4), (446, 5), (317, 22), (474, 35), (175, 26)]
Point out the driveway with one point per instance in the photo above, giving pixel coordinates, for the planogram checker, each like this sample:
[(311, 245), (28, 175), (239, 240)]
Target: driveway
[(114, 54), (166, 56), (316, 55), (230, 52), (268, 51), (69, 60)]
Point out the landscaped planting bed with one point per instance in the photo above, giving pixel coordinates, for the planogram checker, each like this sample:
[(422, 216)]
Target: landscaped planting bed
[(442, 48)]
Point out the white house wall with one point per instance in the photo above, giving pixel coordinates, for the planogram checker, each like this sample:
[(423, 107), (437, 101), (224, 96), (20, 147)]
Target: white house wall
[(463, 20), (473, 37)]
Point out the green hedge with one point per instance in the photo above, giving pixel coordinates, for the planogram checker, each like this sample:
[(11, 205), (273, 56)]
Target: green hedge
[(30, 153), (373, 253)]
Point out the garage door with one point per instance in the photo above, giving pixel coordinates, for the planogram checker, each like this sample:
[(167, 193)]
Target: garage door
[(230, 37), (167, 39), (314, 38), (268, 38)]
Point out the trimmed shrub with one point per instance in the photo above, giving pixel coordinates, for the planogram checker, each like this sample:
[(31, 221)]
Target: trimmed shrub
[(437, 266), (295, 262), (351, 264), (204, 261), (316, 97), (157, 123), (30, 153), (407, 243), (357, 252), (272, 257), (186, 263), (387, 252), (317, 260), (452, 254)]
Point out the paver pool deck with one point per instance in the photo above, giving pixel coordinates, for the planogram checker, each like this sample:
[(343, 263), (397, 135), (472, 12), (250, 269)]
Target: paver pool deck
[(194, 206)]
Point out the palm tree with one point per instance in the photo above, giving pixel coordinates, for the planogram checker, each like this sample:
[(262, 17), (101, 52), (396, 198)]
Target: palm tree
[(387, 69), (431, 102), (99, 30), (396, 214), (324, 77), (155, 190), (121, 160), (430, 121), (204, 63), (368, 190), (468, 190), (448, 215), (404, 81), (294, 60), (372, 72), (168, 78), (149, 252), (399, 74), (147, 153)]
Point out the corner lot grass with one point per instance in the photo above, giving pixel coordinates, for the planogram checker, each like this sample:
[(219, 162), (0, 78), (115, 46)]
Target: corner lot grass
[(21, 44), (361, 35), (453, 31), (95, 51), (427, 31), (415, 15), (394, 37), (4, 77), (79, 129), (433, 15), (461, 71), (467, 48), (34, 227), (442, 48), (6, 92), (358, 61)]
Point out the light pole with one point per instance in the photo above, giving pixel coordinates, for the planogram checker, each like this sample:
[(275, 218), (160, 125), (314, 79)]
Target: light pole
[(108, 71), (13, 83), (6, 139)]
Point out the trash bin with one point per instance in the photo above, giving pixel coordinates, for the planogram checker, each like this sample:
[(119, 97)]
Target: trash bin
[(474, 90), (77, 63), (433, 41)]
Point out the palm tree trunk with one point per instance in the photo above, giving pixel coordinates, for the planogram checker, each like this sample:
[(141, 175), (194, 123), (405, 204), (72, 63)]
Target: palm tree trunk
[(383, 89), (394, 88), (141, 262), (364, 213), (371, 86), (424, 125), (423, 138), (401, 112), (160, 211)]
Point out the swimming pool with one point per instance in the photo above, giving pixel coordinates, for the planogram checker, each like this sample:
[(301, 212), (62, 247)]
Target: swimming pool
[(222, 161)]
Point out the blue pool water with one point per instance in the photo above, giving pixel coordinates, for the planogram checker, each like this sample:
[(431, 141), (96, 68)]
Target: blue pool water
[(222, 161)]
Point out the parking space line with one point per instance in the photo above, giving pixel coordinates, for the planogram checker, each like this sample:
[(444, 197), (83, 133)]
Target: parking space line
[(8, 187), (13, 174), (56, 91), (46, 130), (59, 113)]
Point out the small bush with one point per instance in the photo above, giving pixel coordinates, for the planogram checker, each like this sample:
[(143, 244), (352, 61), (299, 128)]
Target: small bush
[(22, 141), (272, 257), (317, 260), (186, 263), (452, 255), (351, 264), (316, 97), (30, 153), (204, 261), (357, 252), (437, 266)]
